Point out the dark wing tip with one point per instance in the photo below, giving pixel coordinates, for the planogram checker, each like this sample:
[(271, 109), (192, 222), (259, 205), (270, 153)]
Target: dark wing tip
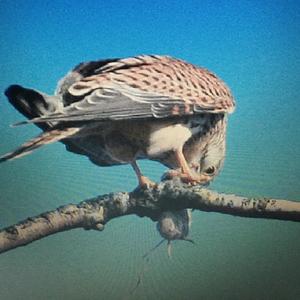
[(15, 94), (3, 159), (13, 90), (26, 101), (92, 67)]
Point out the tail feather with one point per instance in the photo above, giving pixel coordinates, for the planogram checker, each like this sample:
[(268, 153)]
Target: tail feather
[(33, 104), (44, 138)]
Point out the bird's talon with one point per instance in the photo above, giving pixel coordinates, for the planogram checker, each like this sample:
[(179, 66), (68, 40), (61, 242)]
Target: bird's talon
[(193, 180), (169, 175), (145, 183), (185, 178)]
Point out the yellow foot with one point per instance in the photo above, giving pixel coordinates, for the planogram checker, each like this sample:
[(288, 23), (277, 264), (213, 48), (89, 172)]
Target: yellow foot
[(146, 183), (192, 179)]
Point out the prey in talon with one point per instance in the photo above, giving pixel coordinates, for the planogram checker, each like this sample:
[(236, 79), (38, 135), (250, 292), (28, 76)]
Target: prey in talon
[(118, 111)]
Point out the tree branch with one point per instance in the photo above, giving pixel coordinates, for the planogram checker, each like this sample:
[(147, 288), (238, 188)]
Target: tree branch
[(169, 195)]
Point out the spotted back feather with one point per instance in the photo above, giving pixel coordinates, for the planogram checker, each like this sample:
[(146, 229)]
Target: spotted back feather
[(163, 75), (138, 88)]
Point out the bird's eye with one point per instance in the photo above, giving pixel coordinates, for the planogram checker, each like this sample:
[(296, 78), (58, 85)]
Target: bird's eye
[(210, 170)]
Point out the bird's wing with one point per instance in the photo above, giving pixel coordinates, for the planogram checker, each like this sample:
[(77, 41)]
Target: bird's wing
[(142, 87)]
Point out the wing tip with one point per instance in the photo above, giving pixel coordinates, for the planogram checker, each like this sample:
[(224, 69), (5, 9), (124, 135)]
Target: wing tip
[(11, 90)]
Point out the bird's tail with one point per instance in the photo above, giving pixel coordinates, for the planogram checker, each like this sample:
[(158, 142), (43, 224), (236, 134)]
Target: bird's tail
[(33, 104), (44, 138)]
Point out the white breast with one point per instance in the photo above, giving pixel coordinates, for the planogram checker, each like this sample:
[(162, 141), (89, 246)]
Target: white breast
[(165, 138)]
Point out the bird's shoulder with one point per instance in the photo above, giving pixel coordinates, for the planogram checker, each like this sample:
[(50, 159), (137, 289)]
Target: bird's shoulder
[(100, 67)]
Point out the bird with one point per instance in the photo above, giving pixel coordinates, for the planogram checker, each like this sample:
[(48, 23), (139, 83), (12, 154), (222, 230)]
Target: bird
[(120, 110)]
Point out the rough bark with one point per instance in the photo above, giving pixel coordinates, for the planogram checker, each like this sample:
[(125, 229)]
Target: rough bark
[(169, 195)]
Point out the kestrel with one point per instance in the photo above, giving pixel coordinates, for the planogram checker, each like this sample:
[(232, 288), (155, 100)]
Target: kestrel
[(117, 111)]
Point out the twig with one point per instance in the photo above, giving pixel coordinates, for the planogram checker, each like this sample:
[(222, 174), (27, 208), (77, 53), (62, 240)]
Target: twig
[(169, 195)]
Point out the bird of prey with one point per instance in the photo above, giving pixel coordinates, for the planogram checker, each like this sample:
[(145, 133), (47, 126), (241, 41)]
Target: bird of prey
[(117, 111)]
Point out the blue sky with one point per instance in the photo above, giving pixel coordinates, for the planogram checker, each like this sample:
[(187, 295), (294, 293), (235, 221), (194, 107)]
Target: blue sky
[(44, 39), (254, 46)]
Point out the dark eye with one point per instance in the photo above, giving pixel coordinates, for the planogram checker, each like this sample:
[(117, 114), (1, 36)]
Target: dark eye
[(210, 170)]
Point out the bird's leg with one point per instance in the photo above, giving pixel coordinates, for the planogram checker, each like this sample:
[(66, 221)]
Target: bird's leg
[(186, 174), (185, 169), (144, 182)]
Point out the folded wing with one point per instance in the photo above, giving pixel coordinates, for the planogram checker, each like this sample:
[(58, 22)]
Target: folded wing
[(140, 88)]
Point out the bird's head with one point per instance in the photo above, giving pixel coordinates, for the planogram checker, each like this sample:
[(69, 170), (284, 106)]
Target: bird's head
[(210, 164)]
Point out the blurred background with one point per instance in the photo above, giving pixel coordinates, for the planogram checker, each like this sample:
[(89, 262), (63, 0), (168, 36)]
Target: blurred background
[(254, 46)]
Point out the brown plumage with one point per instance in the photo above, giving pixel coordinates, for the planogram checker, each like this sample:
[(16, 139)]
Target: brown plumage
[(119, 110)]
